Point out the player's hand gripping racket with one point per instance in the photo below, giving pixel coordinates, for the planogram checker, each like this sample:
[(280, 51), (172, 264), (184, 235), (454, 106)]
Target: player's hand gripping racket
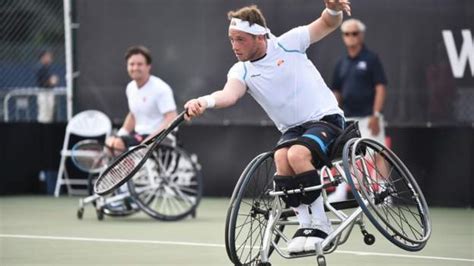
[(128, 164)]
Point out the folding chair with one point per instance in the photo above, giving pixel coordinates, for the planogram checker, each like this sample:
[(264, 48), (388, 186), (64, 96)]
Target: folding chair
[(87, 124)]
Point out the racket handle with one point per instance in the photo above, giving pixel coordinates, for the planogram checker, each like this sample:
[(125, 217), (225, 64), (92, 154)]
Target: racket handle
[(178, 120)]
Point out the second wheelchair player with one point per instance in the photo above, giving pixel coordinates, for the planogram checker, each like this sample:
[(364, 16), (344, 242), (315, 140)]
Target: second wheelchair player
[(150, 101), (278, 74)]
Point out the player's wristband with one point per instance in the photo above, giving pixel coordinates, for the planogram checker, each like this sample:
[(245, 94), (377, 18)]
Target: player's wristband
[(377, 114), (333, 12), (122, 132), (210, 101)]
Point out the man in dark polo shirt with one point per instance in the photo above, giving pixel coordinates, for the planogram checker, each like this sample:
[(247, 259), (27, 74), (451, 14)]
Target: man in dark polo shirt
[(359, 84)]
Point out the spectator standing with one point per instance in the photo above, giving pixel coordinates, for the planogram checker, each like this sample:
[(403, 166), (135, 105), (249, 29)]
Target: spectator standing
[(46, 79), (359, 83)]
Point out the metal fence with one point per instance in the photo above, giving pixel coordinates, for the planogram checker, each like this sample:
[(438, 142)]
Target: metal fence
[(32, 61)]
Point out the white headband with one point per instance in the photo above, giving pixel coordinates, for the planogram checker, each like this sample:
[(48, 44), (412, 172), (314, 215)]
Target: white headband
[(242, 25)]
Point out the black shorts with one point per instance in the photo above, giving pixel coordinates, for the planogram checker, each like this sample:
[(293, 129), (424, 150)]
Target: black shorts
[(322, 135)]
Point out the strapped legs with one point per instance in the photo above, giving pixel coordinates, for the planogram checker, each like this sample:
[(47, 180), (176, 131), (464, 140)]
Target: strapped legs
[(300, 181)]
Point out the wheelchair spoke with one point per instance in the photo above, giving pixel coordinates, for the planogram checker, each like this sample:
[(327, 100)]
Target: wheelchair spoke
[(388, 193), (179, 204), (242, 226), (185, 198), (168, 187), (250, 236), (403, 220), (413, 230), (249, 217), (143, 192), (391, 216), (377, 174), (186, 189), (244, 244), (260, 225)]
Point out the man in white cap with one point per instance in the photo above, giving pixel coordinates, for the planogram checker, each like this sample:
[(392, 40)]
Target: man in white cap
[(278, 74)]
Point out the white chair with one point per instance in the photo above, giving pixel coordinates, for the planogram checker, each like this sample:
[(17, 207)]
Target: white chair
[(86, 124)]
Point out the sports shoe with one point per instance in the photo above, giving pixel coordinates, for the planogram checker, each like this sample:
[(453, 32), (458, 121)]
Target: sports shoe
[(319, 232), (298, 241)]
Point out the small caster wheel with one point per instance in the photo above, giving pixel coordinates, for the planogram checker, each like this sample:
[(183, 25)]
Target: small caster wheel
[(128, 203), (321, 260), (369, 239), (264, 264), (193, 214), (80, 213), (100, 214)]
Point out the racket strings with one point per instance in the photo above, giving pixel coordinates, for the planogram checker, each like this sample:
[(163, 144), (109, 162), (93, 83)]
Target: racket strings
[(89, 155), (121, 170)]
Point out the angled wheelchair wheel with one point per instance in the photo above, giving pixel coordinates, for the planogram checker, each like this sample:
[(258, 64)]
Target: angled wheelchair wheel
[(387, 193), (169, 186), (249, 210)]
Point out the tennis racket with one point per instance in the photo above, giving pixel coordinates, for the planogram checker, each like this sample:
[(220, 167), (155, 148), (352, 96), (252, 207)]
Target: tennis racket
[(128, 164), (92, 156)]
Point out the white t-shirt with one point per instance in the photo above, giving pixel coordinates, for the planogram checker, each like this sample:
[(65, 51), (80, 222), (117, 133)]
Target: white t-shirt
[(149, 103), (286, 83)]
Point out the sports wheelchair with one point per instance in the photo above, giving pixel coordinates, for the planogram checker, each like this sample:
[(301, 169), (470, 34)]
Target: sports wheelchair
[(168, 187), (383, 188)]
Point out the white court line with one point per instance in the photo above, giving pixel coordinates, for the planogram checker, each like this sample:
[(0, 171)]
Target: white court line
[(362, 253), (114, 240)]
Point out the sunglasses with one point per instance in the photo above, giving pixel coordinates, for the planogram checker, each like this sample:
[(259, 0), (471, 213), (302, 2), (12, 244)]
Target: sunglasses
[(354, 33)]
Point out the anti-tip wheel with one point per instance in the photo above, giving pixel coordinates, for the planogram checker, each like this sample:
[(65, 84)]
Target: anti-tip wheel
[(321, 260), (80, 213), (100, 214), (369, 239)]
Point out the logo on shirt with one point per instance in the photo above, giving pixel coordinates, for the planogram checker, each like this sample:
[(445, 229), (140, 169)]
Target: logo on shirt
[(280, 62), (362, 65)]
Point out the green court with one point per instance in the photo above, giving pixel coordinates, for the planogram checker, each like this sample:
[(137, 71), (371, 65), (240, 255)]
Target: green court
[(45, 231)]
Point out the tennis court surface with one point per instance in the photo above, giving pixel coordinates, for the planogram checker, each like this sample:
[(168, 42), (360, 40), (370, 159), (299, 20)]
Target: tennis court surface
[(40, 230)]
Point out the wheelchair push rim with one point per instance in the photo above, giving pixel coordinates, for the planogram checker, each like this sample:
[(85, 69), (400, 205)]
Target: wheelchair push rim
[(249, 210), (387, 193)]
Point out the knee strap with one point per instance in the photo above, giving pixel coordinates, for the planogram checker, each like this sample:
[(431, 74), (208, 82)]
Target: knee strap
[(305, 180), (285, 183)]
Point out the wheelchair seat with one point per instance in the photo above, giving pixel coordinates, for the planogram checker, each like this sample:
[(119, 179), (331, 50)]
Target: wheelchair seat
[(351, 130)]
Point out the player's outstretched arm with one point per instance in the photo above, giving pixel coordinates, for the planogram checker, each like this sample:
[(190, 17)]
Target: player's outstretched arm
[(228, 96), (329, 20)]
